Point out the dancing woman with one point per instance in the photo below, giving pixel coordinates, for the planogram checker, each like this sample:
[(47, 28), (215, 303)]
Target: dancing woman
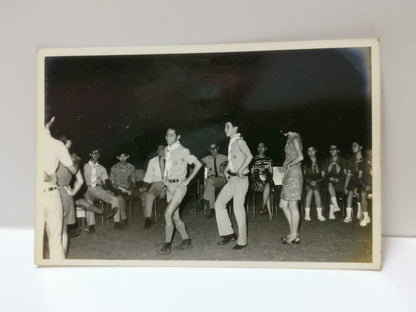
[(292, 185)]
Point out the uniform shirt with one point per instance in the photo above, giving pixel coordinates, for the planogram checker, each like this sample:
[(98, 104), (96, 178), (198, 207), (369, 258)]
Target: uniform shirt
[(355, 165), (220, 161), (100, 173), (52, 154), (123, 176), (367, 177), (237, 151), (177, 160), (312, 171), (153, 171), (342, 164)]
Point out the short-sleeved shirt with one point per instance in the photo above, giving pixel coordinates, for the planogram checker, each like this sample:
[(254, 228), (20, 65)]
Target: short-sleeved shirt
[(367, 176), (153, 171), (123, 176), (237, 151), (220, 162), (354, 167), (101, 173), (53, 153), (177, 160)]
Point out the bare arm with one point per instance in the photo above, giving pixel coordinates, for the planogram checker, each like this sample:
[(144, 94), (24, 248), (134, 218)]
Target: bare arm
[(347, 181), (78, 183), (197, 165), (299, 158)]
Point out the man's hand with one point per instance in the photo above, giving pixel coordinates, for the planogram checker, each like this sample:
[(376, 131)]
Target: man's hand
[(185, 182), (240, 174), (313, 183)]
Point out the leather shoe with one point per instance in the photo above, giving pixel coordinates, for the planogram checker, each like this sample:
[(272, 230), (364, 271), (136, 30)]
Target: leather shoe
[(185, 244), (237, 246), (147, 223), (227, 238), (165, 250), (110, 213)]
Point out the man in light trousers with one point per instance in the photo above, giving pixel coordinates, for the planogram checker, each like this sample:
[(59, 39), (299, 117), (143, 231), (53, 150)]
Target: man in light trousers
[(236, 172)]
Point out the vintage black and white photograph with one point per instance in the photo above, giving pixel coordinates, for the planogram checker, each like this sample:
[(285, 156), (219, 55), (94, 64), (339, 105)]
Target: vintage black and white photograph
[(233, 155)]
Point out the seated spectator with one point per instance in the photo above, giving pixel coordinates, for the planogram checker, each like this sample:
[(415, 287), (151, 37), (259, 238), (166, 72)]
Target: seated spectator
[(262, 177), (334, 169), (352, 180), (96, 178), (313, 176), (123, 179), (153, 184), (215, 164), (365, 180)]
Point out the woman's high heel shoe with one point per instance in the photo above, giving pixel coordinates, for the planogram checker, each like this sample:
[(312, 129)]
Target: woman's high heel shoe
[(296, 240)]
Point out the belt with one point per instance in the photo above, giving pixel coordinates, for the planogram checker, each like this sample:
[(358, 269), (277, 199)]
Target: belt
[(233, 174), (215, 176), (52, 188), (173, 181)]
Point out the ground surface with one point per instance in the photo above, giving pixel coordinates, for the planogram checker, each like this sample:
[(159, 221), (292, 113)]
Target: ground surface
[(330, 241)]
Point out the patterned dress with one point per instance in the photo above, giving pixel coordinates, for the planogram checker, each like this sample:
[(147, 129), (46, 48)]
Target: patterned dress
[(293, 179)]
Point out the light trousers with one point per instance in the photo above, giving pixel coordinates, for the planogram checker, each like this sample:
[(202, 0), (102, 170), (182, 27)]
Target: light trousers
[(212, 183), (236, 189), (52, 219)]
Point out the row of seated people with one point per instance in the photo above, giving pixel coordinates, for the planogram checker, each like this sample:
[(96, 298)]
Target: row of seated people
[(338, 177)]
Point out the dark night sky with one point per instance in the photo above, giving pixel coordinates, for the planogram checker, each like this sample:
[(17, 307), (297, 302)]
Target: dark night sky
[(128, 102)]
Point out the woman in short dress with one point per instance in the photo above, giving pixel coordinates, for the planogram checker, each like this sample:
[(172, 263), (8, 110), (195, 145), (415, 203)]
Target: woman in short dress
[(292, 185)]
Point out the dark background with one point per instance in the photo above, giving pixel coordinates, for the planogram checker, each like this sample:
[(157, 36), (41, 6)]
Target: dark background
[(117, 103)]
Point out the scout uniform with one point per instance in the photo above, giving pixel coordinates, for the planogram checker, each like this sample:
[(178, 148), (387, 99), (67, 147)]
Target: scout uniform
[(125, 177), (177, 160), (216, 179), (52, 154), (95, 175), (236, 189)]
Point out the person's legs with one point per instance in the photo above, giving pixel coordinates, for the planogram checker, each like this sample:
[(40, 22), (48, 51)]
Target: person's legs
[(267, 199), (364, 202), (240, 191), (121, 212), (221, 213), (318, 204), (177, 194), (89, 215), (348, 218), (65, 238), (284, 205), (293, 206), (54, 219), (333, 206), (209, 192), (308, 201)]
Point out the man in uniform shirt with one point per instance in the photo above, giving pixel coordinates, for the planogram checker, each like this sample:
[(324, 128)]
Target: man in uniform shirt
[(123, 178), (96, 177), (154, 185), (215, 164), (177, 160), (53, 153), (236, 172)]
